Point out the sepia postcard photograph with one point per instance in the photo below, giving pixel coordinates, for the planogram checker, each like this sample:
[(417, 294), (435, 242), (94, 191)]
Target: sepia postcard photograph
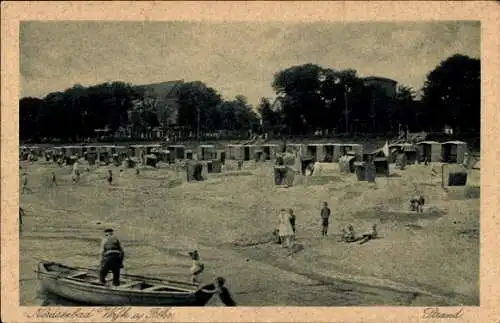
[(161, 162)]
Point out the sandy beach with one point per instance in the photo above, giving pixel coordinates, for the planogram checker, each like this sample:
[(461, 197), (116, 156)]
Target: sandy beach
[(420, 259)]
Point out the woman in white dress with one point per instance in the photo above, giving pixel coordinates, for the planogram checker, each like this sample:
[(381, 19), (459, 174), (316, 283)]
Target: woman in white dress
[(285, 228)]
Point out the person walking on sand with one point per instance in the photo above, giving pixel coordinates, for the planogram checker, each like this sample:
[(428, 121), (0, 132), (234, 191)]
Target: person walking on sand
[(111, 257), (292, 220), (325, 216), (21, 215), (285, 228), (25, 183), (53, 181), (75, 176), (76, 173), (110, 177)]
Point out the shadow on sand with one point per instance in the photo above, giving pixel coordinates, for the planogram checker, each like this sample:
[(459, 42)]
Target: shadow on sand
[(401, 216)]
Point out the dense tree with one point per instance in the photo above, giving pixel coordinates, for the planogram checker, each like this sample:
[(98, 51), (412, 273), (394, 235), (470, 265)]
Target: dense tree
[(30, 112), (302, 103), (198, 107), (318, 99), (76, 112), (271, 119), (238, 115), (310, 99), (452, 94), (144, 115), (405, 108)]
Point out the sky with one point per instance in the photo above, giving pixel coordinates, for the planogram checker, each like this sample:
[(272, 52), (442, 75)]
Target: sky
[(233, 57)]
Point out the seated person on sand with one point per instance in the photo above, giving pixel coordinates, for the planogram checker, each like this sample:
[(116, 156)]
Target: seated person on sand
[(369, 236), (417, 204), (311, 167), (349, 235)]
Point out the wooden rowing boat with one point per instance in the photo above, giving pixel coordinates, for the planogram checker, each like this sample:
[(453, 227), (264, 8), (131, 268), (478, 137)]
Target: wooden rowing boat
[(82, 285)]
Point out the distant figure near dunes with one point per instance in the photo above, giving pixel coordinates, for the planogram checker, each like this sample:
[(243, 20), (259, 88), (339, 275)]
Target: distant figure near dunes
[(110, 177), (53, 181), (292, 220), (21, 215), (417, 204), (285, 228), (325, 219), (25, 188)]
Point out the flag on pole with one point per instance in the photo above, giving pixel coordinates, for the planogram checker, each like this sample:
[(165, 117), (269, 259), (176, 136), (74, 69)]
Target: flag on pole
[(385, 149)]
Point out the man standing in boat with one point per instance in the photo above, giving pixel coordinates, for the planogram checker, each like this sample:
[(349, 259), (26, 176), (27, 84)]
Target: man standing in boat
[(111, 257)]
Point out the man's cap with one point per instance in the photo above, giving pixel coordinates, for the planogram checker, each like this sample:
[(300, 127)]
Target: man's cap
[(108, 230)]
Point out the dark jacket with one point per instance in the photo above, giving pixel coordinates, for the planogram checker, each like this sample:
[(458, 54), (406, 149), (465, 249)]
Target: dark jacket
[(111, 245)]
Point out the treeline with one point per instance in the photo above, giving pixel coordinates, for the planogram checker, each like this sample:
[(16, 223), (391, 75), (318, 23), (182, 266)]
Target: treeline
[(310, 99), (313, 98)]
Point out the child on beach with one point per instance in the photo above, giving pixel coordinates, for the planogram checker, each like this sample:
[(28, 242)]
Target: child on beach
[(197, 267), (417, 204), (370, 236), (110, 177), (25, 183), (21, 215), (285, 229), (53, 180), (325, 216), (349, 235), (76, 176), (292, 222)]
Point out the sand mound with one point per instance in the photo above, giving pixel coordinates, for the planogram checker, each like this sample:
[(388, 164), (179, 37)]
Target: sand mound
[(172, 183), (322, 180), (435, 211), (472, 233), (233, 173), (414, 226)]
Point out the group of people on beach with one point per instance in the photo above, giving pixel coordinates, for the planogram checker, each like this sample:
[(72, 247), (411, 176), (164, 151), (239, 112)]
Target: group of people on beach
[(75, 178), (349, 235), (111, 252), (287, 228), (287, 221), (111, 260)]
